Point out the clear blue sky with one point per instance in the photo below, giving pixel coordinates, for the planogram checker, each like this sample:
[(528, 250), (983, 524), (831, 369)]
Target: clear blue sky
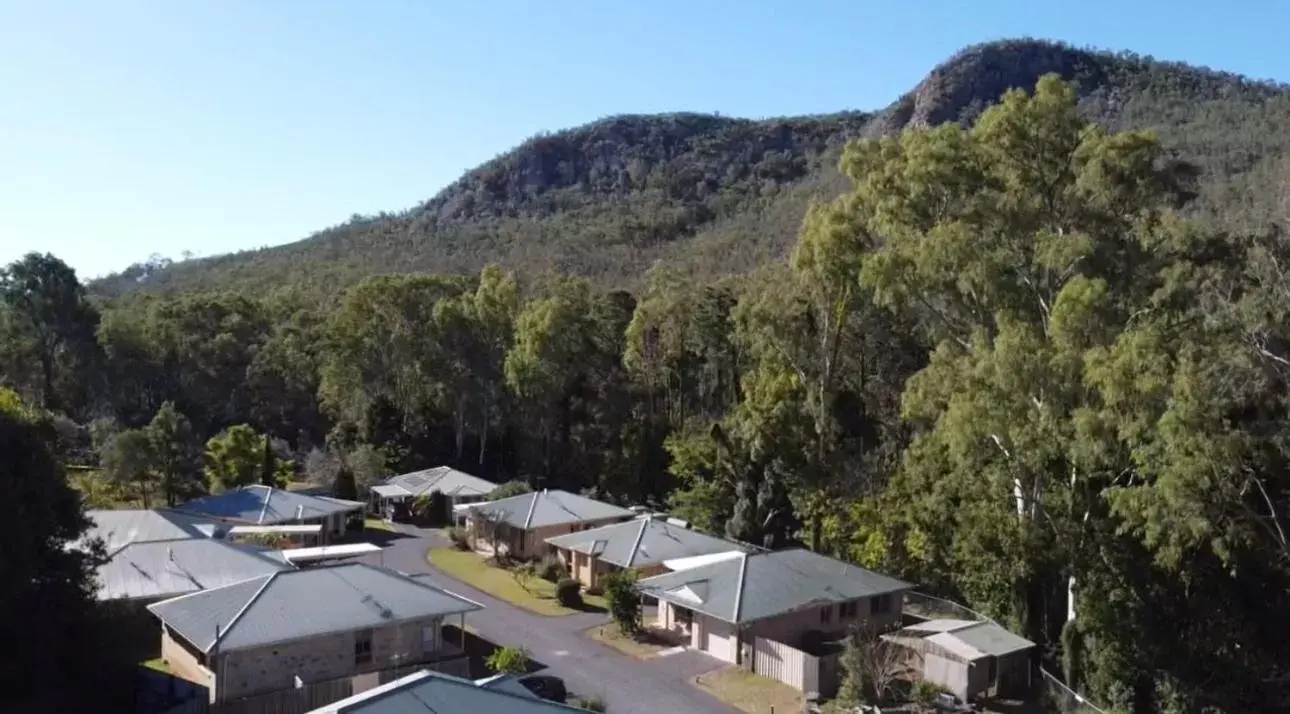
[(131, 127)]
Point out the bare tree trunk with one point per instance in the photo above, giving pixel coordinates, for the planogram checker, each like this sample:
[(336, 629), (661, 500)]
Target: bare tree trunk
[(483, 432)]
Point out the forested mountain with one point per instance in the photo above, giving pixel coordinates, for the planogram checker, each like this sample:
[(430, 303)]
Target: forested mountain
[(1033, 364), (717, 196)]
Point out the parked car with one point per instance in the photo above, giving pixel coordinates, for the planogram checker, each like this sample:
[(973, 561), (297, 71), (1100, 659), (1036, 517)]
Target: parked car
[(546, 686)]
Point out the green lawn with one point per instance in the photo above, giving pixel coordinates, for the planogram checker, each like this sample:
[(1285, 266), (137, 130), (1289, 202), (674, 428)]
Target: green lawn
[(472, 569), (751, 693), (647, 644), (157, 664), (377, 524)]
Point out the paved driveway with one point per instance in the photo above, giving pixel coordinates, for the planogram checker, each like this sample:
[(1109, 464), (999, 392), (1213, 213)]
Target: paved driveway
[(627, 685)]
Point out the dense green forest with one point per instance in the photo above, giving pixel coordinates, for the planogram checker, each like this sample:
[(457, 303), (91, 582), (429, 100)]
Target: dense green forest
[(1025, 361)]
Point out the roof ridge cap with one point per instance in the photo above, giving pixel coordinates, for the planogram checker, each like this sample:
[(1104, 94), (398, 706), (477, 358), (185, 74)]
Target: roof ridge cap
[(268, 579), (739, 586), (528, 520), (640, 536)]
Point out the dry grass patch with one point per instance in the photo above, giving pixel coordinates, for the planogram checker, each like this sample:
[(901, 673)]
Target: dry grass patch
[(751, 693), (643, 646), (476, 571)]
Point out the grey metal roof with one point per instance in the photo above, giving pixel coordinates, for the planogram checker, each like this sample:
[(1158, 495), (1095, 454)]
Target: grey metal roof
[(448, 481), (297, 604), (989, 638), (428, 692), (162, 569), (117, 528), (760, 585), (549, 508), (263, 505), (642, 542)]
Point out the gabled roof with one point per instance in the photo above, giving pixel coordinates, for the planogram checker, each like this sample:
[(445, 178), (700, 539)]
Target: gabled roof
[(448, 481), (264, 505), (548, 508), (968, 640), (428, 692), (642, 542), (755, 586), (299, 604), (163, 569), (117, 528)]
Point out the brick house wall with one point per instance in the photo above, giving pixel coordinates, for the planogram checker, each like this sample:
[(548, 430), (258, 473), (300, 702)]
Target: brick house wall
[(532, 543), (183, 660), (244, 673), (720, 639)]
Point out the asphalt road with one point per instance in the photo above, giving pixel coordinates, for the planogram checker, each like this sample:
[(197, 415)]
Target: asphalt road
[(627, 685)]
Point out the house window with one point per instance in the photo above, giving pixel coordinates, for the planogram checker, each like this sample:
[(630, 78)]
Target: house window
[(826, 614), (363, 647), (880, 605), (849, 609)]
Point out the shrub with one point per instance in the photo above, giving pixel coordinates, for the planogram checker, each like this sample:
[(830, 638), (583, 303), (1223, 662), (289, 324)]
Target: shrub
[(551, 569), (509, 660), (925, 693), (569, 592), (509, 489), (523, 573), (624, 602), (592, 704), (459, 538)]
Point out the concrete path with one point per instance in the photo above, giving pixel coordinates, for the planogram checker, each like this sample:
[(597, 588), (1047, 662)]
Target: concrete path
[(627, 685)]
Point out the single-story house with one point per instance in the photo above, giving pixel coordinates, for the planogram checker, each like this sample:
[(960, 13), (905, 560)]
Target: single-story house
[(789, 596), (434, 693), (156, 570), (644, 545), (117, 528), (520, 525), (260, 505), (302, 627), (967, 657), (458, 487)]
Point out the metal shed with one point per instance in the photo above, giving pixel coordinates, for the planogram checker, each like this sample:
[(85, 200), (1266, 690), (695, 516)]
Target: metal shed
[(968, 658)]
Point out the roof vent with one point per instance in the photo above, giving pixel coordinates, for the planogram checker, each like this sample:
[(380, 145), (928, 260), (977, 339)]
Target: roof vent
[(170, 554)]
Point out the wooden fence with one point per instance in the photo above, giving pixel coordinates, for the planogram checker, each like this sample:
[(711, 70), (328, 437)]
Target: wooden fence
[(317, 694), (799, 670)]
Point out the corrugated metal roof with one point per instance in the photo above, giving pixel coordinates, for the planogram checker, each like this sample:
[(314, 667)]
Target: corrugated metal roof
[(325, 552), (760, 585), (162, 569), (644, 541), (117, 528), (700, 560), (263, 505), (434, 693), (448, 481), (989, 638), (548, 508), (941, 625), (390, 490), (297, 604), (966, 639), (508, 683)]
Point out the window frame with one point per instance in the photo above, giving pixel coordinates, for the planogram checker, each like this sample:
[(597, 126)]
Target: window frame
[(363, 647)]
